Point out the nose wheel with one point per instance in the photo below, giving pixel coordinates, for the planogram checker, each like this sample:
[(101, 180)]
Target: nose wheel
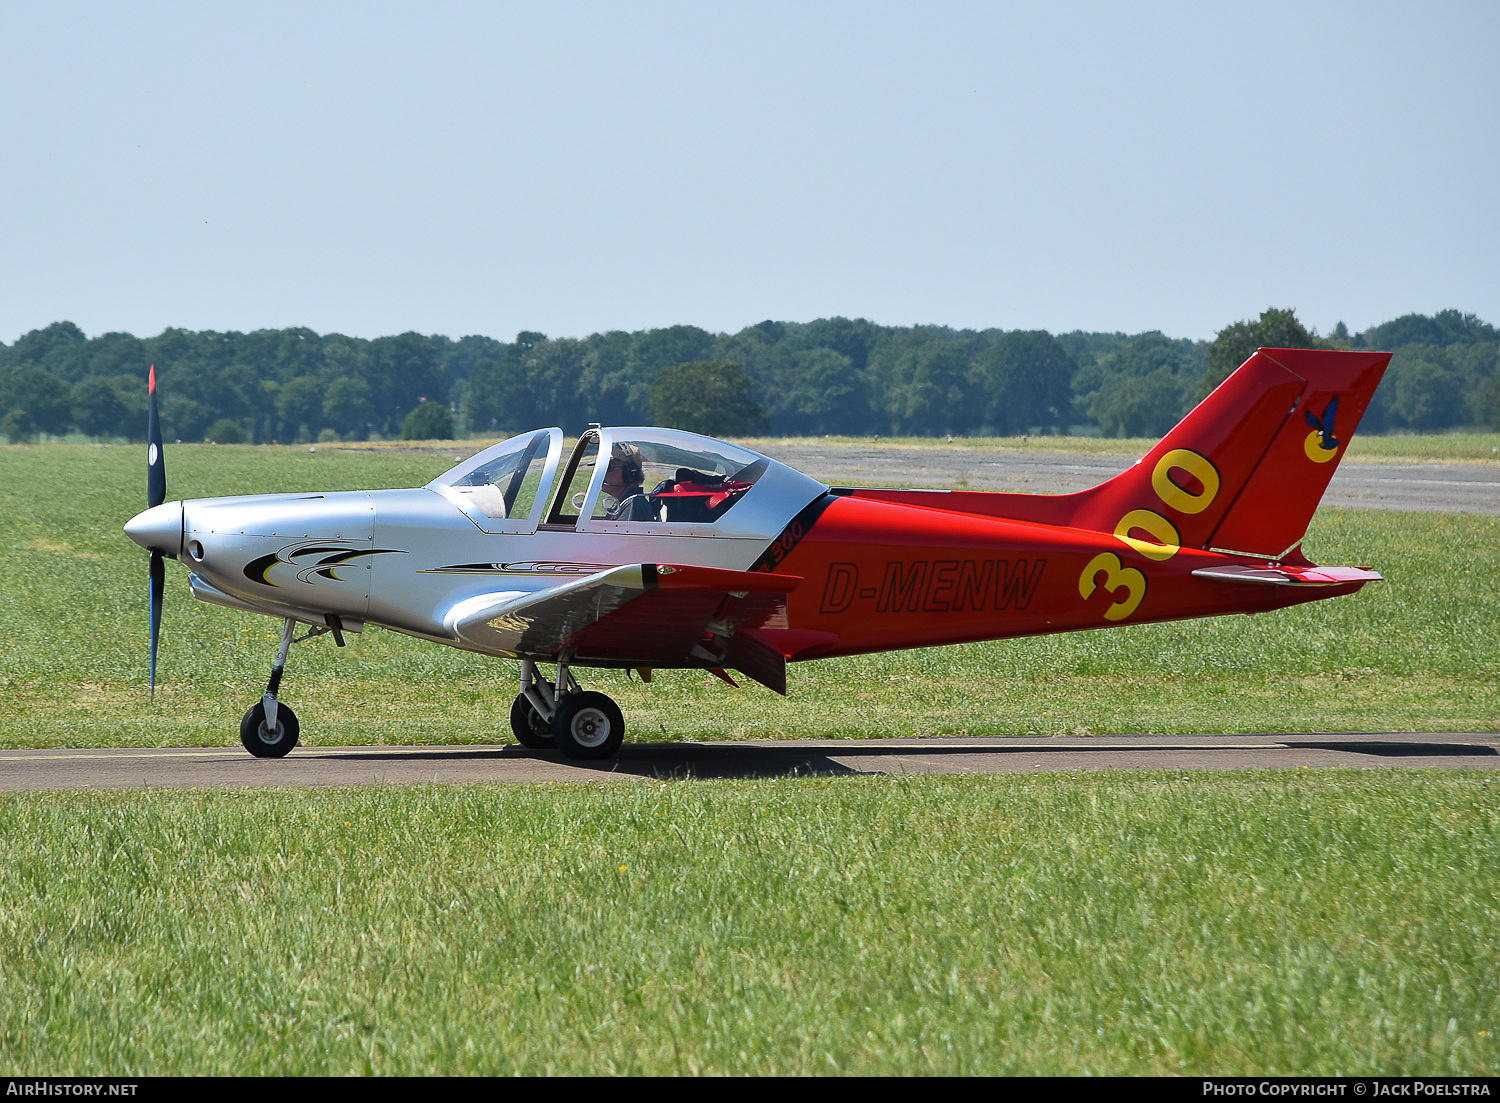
[(273, 740), (270, 729)]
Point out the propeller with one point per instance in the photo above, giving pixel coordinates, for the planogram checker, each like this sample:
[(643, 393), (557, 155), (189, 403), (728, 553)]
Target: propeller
[(158, 527), (156, 494)]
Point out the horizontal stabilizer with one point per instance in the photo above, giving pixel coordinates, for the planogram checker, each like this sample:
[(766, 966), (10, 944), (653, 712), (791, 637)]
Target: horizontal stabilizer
[(1290, 576)]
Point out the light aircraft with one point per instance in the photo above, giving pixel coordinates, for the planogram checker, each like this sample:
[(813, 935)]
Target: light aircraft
[(732, 561)]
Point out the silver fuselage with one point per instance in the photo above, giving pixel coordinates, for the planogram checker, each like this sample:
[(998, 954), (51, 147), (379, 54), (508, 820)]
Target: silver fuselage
[(413, 560)]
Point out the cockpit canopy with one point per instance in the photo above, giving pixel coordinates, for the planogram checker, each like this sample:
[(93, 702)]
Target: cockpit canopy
[(655, 476), (651, 480)]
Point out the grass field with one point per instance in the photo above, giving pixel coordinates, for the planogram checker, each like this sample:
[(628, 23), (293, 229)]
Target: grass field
[(1448, 447), (1255, 923), (1420, 651)]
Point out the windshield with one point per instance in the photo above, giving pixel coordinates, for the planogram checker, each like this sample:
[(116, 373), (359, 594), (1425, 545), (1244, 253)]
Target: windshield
[(505, 481)]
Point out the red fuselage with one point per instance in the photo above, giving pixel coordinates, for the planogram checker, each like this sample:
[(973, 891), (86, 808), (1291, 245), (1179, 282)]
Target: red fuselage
[(880, 575)]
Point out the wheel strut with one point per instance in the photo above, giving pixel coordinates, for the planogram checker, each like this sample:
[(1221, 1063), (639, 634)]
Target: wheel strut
[(269, 729), (580, 724), (543, 695), (278, 667)]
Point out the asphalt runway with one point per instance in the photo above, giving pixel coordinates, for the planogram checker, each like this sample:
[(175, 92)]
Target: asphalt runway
[(311, 767), (1461, 487)]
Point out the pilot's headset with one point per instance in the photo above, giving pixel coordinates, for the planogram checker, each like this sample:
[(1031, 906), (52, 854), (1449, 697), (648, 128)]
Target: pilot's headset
[(632, 469)]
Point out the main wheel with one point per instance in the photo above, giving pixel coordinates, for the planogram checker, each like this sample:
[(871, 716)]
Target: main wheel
[(588, 725), (265, 742), (529, 727)]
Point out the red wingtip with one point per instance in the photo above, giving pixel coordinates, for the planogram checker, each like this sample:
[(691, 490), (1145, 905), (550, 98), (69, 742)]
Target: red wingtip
[(151, 385)]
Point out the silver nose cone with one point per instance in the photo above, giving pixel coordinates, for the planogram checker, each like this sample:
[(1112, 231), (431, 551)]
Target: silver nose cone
[(158, 529)]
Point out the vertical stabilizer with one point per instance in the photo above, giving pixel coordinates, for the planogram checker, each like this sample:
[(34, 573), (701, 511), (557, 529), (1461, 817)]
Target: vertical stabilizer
[(1271, 514), (1246, 468)]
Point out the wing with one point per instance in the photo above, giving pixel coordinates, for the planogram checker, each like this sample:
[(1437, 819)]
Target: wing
[(644, 614)]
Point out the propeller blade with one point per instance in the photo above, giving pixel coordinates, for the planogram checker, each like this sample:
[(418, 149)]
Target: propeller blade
[(156, 494), (156, 468), (158, 591)]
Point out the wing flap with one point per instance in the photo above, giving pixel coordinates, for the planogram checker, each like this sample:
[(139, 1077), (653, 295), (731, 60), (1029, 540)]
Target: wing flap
[(666, 615)]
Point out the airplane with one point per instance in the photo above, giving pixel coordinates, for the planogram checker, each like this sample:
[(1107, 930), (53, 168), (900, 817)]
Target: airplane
[(735, 562)]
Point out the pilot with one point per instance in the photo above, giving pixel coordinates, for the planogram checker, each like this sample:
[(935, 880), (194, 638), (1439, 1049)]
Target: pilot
[(623, 482)]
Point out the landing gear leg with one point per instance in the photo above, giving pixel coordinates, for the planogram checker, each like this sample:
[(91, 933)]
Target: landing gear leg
[(585, 725), (560, 714), (532, 711), (270, 728)]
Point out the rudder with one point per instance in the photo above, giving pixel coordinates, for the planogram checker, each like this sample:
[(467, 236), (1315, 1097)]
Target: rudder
[(1246, 468), (1271, 514)]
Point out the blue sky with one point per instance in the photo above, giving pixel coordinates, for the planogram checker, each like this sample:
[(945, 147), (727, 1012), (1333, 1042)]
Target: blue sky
[(570, 168)]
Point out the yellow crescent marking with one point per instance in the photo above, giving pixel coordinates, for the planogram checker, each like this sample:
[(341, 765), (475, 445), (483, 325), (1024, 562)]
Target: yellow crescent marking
[(1313, 446)]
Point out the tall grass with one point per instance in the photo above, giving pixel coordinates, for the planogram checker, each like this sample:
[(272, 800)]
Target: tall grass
[(1311, 923)]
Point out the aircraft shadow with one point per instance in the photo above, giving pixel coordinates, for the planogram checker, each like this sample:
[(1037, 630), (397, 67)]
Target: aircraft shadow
[(1411, 749), (733, 760), (707, 761)]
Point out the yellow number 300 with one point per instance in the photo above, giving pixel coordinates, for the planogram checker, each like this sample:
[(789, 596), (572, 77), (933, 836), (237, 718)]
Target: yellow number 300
[(1117, 577), (1165, 541)]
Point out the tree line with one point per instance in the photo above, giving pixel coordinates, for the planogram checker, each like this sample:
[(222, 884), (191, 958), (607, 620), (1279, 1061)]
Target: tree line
[(830, 376)]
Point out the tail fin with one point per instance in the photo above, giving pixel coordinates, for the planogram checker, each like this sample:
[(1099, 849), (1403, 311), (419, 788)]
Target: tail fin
[(1244, 471)]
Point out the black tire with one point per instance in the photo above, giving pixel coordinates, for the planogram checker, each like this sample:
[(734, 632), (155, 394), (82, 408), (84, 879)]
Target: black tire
[(263, 743), (588, 725), (528, 726)]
